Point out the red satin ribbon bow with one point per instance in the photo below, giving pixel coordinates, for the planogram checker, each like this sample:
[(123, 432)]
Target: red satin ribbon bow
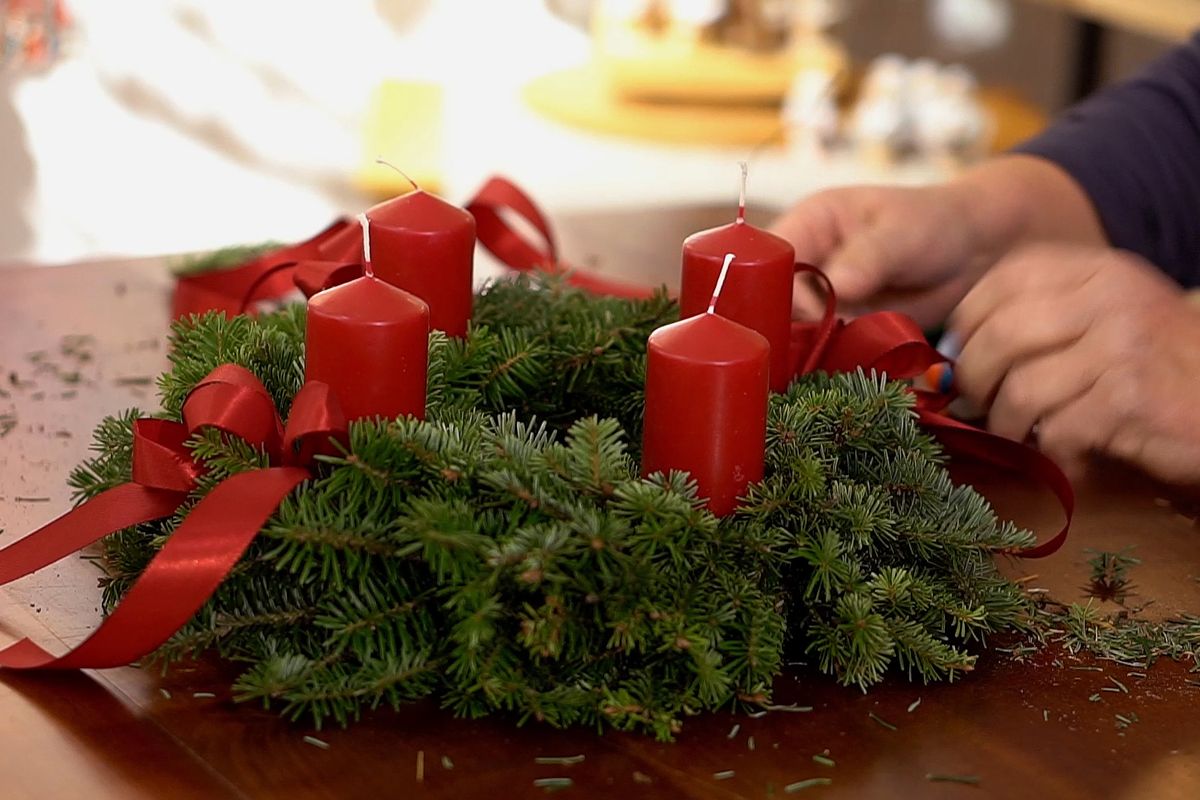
[(333, 255), (892, 343), (229, 290), (208, 543)]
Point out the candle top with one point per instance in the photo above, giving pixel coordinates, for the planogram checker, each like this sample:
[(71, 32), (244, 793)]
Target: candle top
[(709, 339), (368, 300), (750, 243), (420, 212)]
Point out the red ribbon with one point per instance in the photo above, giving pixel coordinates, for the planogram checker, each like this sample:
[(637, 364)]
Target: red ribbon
[(332, 257), (208, 543), (500, 197), (892, 343), (267, 277), (886, 341)]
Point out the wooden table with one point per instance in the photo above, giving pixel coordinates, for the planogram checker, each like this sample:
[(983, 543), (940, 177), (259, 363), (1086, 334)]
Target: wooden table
[(1027, 730)]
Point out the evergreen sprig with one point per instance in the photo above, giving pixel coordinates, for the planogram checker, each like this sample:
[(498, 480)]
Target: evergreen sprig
[(504, 554)]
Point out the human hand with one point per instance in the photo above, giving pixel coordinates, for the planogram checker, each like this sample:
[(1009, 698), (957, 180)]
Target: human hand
[(1093, 346), (905, 249), (920, 250)]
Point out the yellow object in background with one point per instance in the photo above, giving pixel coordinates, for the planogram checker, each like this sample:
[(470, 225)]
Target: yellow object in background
[(583, 97), (679, 66), (403, 127)]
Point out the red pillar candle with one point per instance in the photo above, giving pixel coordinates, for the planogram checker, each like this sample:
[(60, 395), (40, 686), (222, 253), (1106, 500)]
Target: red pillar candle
[(760, 283), (426, 246), (706, 405), (369, 341)]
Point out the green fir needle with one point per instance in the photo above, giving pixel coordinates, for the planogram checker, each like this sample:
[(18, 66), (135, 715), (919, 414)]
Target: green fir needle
[(808, 783), (882, 722), (559, 760), (970, 780), (553, 784)]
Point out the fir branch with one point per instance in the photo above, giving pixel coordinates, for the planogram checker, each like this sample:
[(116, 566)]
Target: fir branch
[(224, 258), (112, 442)]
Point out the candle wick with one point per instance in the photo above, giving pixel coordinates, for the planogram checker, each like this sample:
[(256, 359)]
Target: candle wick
[(712, 304), (366, 229), (745, 169), (403, 174)]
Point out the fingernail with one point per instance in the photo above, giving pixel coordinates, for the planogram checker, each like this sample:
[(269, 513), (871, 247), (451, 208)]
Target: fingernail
[(949, 345)]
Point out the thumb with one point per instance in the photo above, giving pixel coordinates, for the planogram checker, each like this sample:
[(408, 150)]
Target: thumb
[(859, 269), (811, 227)]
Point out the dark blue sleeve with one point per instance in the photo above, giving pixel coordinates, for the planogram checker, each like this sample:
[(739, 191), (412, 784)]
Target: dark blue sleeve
[(1135, 150)]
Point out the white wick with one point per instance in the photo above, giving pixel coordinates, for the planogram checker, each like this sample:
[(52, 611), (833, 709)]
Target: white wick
[(712, 304), (366, 229), (745, 168)]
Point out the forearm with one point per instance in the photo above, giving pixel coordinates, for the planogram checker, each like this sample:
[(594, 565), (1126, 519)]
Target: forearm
[(1014, 200), (1135, 151)]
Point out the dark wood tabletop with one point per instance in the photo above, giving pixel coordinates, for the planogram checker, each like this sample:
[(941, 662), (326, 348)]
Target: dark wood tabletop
[(1043, 727)]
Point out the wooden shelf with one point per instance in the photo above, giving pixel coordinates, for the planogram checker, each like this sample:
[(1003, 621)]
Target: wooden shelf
[(1174, 20)]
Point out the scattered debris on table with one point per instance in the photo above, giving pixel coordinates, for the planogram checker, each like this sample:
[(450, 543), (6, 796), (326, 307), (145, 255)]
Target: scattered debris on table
[(883, 723), (559, 760), (553, 784), (808, 783), (970, 780)]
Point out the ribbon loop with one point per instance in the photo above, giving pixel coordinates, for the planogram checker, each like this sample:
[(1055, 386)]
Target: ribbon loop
[(516, 251), (160, 458), (884, 341), (232, 399), (316, 420)]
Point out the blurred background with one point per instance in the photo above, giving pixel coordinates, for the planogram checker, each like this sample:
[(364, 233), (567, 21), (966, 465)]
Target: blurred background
[(145, 127)]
